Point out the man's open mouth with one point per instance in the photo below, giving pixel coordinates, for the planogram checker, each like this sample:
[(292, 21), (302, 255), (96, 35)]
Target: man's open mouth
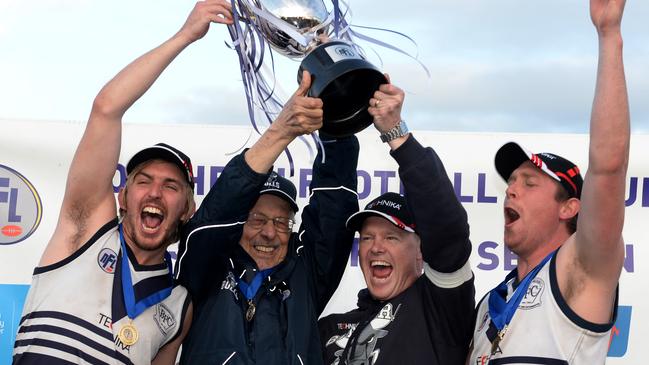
[(152, 218), (380, 269), (511, 216)]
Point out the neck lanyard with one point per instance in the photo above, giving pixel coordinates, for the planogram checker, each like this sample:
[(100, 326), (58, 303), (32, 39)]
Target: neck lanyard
[(502, 310), (249, 290), (133, 308)]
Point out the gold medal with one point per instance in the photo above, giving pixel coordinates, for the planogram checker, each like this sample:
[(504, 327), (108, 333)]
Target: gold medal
[(250, 313), (128, 334), (496, 342)]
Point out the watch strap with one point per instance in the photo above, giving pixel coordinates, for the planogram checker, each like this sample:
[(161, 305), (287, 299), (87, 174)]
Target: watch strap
[(399, 130)]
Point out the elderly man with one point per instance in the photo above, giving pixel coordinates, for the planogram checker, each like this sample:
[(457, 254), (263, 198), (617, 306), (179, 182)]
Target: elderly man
[(404, 316), (258, 286), (103, 291), (559, 304)]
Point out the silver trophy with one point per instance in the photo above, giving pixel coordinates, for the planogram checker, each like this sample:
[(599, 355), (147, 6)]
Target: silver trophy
[(341, 76)]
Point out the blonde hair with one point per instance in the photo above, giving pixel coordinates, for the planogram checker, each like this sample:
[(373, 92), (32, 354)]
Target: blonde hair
[(130, 179)]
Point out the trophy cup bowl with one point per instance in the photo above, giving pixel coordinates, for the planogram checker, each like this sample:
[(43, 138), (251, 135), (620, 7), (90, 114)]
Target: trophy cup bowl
[(341, 76)]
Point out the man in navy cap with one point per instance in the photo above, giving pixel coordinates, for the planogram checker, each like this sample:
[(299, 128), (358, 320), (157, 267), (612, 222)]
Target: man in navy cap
[(103, 291), (414, 254), (559, 305), (258, 285)]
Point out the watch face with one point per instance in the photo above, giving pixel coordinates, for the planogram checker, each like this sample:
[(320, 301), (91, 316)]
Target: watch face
[(404, 128)]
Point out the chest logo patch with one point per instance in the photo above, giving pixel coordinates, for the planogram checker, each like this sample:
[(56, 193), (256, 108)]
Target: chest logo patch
[(164, 319), (532, 298), (107, 259), (366, 350), (230, 283)]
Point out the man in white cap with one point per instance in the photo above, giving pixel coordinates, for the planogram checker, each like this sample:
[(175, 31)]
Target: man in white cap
[(559, 304), (414, 254)]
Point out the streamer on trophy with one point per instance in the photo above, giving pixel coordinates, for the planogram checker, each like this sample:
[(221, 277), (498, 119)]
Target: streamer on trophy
[(326, 41)]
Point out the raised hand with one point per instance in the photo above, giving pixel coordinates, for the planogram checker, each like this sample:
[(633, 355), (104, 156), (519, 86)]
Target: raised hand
[(204, 13), (385, 106), (607, 15), (301, 114)]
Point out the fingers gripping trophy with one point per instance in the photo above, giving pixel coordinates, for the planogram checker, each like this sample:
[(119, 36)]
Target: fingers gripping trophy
[(341, 76)]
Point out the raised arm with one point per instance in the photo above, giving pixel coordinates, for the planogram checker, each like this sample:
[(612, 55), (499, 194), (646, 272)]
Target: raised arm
[(219, 219), (235, 191), (326, 242), (440, 222), (440, 219), (597, 245), (89, 202)]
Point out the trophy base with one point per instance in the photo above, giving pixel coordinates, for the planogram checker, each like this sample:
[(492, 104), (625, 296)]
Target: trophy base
[(345, 82)]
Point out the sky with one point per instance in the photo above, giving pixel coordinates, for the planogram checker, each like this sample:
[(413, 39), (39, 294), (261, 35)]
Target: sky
[(495, 65)]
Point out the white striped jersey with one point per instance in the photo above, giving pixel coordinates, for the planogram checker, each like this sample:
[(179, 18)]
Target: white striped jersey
[(75, 309), (544, 330)]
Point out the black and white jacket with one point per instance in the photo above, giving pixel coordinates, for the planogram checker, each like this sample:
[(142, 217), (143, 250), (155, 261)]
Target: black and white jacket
[(430, 322)]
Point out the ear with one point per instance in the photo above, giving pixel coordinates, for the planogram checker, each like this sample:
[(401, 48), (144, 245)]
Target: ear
[(569, 208), (189, 212), (121, 199), (420, 257)]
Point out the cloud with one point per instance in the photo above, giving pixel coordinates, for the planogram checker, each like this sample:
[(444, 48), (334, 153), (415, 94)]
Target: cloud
[(500, 65), (555, 95)]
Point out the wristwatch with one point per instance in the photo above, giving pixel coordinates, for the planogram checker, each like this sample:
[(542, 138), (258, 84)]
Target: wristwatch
[(399, 130)]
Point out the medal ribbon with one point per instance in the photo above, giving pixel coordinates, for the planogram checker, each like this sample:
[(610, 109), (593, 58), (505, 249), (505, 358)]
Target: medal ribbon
[(133, 308), (502, 311), (249, 290)]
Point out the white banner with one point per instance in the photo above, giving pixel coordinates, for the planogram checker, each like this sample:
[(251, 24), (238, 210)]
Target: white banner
[(35, 157)]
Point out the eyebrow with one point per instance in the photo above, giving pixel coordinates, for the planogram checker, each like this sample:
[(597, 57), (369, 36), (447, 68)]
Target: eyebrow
[(266, 215), (384, 231), (523, 174), (165, 180)]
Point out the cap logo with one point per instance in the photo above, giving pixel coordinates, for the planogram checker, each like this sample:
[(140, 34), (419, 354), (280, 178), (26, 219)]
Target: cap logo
[(272, 182), (386, 203), (548, 155), (573, 172), (536, 160)]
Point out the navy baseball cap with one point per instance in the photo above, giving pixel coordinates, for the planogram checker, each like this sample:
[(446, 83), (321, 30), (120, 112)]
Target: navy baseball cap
[(282, 188), (165, 152), (511, 155), (391, 206)]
